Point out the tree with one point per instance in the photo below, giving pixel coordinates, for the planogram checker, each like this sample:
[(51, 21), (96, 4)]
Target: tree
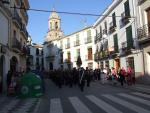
[(79, 61)]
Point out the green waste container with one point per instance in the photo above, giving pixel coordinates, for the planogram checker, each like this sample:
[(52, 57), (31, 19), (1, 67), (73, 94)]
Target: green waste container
[(30, 86)]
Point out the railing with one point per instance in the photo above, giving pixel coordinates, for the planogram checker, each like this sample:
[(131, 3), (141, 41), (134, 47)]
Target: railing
[(112, 28), (104, 31), (141, 2), (16, 44), (88, 40), (77, 43), (98, 37), (67, 46), (124, 18), (24, 30), (17, 18), (143, 32), (124, 45)]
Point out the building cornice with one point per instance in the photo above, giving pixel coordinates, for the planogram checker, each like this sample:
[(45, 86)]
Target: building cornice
[(106, 12)]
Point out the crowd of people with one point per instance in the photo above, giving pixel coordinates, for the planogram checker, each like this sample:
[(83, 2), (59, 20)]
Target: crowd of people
[(83, 77), (77, 77), (121, 75)]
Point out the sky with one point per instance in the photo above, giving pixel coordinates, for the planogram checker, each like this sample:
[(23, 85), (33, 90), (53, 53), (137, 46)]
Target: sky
[(38, 21)]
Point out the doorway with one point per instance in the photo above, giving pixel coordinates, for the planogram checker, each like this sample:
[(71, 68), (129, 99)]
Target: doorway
[(50, 66), (117, 64), (13, 64), (130, 63)]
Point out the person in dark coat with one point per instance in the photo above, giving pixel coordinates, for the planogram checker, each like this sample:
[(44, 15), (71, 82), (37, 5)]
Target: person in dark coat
[(81, 79)]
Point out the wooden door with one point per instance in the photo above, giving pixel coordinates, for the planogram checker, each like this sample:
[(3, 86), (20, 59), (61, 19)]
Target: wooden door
[(117, 64), (148, 18), (90, 53)]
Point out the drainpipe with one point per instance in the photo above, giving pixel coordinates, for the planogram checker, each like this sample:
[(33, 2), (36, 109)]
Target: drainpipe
[(143, 61)]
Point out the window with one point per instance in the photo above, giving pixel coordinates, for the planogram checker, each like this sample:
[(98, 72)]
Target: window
[(127, 8), (129, 37), (115, 43), (114, 19), (88, 33), (56, 25), (37, 51), (100, 31)]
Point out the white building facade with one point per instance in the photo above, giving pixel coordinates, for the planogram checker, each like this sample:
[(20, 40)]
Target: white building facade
[(13, 38), (116, 37), (35, 59), (62, 51), (143, 35)]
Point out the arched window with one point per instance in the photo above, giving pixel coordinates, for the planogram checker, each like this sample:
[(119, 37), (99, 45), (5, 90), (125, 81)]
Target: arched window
[(56, 25), (50, 25)]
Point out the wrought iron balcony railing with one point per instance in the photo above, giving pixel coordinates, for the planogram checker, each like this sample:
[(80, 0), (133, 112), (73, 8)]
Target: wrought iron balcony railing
[(88, 40), (67, 46), (17, 18), (24, 30), (143, 32), (112, 28), (16, 45), (77, 43)]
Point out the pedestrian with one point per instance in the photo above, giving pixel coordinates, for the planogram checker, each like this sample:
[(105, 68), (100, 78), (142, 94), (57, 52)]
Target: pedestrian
[(81, 79), (122, 75), (129, 74), (114, 76)]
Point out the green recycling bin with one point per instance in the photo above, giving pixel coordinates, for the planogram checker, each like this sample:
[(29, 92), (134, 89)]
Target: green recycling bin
[(30, 86)]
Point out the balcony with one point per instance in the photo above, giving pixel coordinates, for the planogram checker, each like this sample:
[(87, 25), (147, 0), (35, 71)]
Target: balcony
[(67, 46), (112, 28), (98, 37), (24, 12), (24, 30), (16, 18), (141, 2), (25, 50), (16, 45), (50, 57), (143, 34), (77, 43), (125, 50), (88, 40), (105, 31), (124, 19), (113, 52)]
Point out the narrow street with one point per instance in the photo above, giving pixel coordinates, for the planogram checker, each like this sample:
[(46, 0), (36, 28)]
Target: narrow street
[(95, 99), (98, 98)]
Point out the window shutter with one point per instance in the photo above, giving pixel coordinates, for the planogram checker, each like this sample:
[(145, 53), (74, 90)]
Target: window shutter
[(129, 37)]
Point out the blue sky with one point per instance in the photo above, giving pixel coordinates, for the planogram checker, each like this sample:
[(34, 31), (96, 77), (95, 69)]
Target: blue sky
[(38, 21)]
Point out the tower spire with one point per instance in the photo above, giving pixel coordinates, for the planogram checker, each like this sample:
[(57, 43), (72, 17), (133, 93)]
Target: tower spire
[(53, 8)]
